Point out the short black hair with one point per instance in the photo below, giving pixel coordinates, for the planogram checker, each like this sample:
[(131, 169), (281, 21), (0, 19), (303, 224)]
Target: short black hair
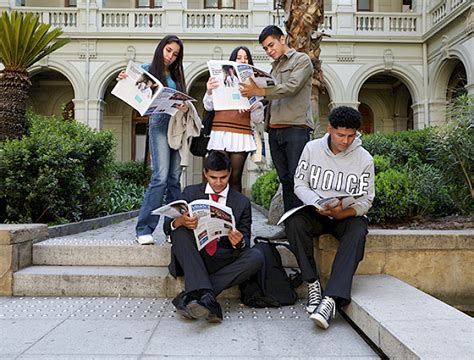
[(216, 161), (270, 30), (345, 117)]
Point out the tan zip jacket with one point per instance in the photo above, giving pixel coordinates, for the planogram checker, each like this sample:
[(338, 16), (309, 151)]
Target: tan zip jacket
[(291, 97)]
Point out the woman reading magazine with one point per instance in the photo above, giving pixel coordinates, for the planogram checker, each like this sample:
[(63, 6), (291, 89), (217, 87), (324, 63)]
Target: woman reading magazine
[(232, 129), (167, 66)]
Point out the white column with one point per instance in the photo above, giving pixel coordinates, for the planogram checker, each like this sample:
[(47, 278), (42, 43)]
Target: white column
[(262, 14), (437, 112), (96, 114), (80, 110), (418, 116), (345, 10), (174, 16), (95, 107)]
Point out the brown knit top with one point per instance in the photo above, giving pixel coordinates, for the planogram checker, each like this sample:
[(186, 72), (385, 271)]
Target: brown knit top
[(232, 121)]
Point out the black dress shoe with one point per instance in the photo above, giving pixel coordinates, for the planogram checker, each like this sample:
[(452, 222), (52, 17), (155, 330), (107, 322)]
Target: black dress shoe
[(179, 303), (206, 307)]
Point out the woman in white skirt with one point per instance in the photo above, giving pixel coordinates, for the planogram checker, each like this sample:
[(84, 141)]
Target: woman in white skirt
[(232, 129)]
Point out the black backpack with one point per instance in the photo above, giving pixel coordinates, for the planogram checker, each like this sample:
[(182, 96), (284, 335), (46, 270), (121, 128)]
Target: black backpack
[(271, 287)]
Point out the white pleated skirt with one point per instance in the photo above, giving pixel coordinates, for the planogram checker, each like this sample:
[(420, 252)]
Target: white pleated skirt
[(230, 141)]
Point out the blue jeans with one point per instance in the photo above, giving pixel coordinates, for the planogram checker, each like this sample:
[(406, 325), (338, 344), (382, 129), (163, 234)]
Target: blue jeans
[(165, 175), (286, 146)]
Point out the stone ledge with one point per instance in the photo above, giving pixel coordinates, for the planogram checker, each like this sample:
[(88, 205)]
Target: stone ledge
[(382, 240), (18, 233), (405, 322), (89, 224)]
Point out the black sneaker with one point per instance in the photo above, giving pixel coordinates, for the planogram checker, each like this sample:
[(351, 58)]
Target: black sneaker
[(206, 307), (314, 296), (324, 312), (179, 303)]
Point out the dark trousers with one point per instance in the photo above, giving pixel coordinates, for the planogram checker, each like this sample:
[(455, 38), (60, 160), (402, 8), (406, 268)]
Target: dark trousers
[(306, 224), (286, 146), (228, 266)]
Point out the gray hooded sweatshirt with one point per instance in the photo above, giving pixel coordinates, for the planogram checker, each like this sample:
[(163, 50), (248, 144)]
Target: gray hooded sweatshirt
[(322, 174)]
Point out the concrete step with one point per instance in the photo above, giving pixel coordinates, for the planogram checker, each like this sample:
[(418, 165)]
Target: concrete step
[(406, 323), (81, 253), (84, 252), (116, 281)]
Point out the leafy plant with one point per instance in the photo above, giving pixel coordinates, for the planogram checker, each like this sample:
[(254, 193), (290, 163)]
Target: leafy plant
[(125, 196), (132, 171), (452, 149), (61, 171), (265, 188)]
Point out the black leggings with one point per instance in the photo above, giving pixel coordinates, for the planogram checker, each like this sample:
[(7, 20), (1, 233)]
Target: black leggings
[(238, 161)]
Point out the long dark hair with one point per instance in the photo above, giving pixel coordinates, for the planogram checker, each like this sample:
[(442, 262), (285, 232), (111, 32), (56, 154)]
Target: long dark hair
[(233, 54), (157, 66)]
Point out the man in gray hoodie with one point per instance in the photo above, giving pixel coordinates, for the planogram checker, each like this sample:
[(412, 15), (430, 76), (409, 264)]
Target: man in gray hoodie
[(338, 172)]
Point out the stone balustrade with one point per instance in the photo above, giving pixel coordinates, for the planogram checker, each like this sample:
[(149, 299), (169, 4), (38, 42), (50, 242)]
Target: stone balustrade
[(443, 8), (405, 23), (105, 21)]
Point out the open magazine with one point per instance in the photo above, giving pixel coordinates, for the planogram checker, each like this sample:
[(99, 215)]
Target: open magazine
[(230, 74), (146, 94), (322, 203), (214, 219)]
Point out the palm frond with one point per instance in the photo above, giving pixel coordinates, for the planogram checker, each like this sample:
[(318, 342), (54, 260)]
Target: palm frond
[(24, 40)]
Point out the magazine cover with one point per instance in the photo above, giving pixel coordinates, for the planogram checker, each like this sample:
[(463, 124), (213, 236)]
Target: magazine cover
[(230, 74), (323, 203), (214, 219), (146, 94)]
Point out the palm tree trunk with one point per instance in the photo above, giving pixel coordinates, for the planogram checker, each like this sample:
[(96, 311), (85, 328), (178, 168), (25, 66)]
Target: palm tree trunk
[(302, 20), (14, 89)]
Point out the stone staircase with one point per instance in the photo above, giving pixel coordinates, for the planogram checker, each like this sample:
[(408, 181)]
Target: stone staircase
[(104, 262)]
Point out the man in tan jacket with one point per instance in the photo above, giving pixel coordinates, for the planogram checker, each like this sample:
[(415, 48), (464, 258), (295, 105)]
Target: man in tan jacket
[(289, 117)]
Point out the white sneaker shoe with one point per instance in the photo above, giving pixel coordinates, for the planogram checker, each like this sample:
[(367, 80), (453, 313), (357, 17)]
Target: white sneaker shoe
[(145, 239), (325, 311)]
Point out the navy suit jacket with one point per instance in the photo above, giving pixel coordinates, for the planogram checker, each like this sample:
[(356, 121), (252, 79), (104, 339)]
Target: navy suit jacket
[(239, 204)]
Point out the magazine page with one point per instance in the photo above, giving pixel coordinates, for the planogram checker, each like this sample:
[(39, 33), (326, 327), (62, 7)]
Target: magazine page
[(261, 78), (167, 101), (139, 89), (214, 221), (173, 209), (322, 203), (227, 95), (291, 212)]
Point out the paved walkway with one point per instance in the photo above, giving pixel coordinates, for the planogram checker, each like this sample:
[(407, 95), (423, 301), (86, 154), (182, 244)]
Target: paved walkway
[(145, 328)]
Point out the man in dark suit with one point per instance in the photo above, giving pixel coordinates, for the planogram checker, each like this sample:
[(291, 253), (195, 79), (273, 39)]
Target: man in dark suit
[(222, 264)]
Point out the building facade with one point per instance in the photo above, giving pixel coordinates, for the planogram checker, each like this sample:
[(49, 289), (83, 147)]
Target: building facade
[(398, 61)]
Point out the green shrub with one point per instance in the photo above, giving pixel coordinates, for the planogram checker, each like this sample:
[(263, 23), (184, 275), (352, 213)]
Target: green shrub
[(452, 149), (132, 171), (394, 196), (265, 188), (61, 171), (432, 196), (382, 163), (399, 146), (125, 196)]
